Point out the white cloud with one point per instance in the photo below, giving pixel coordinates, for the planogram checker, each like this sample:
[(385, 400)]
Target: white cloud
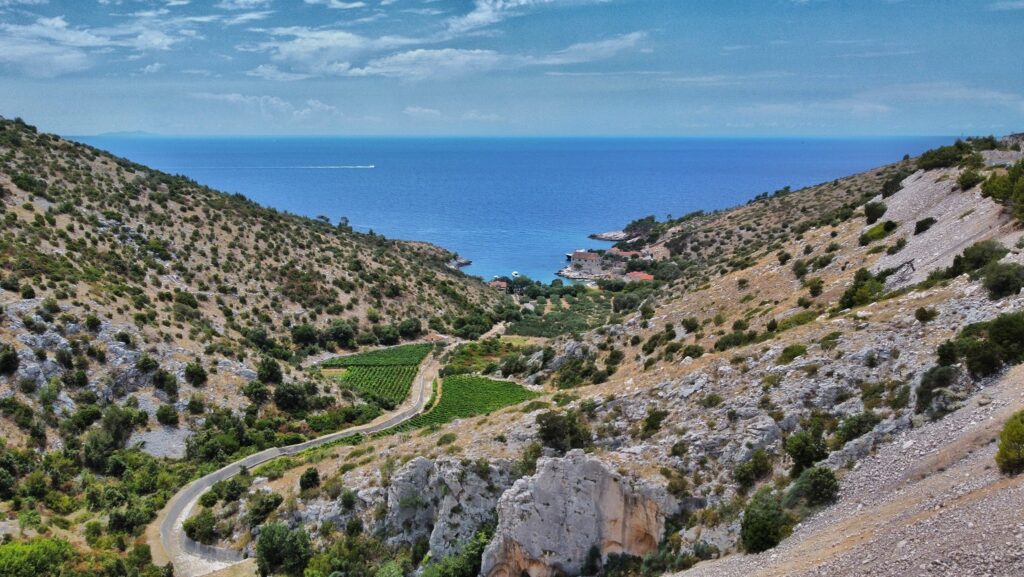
[(56, 29), (489, 12), (726, 79), (316, 108), (41, 59), (421, 113), (271, 107), (271, 72), (242, 4), (323, 51), (246, 17), (590, 51), (52, 46), (426, 63), (945, 91), (439, 63), (152, 68), (337, 4), (849, 106), (7, 3)]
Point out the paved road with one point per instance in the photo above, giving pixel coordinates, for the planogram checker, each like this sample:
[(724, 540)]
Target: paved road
[(191, 559)]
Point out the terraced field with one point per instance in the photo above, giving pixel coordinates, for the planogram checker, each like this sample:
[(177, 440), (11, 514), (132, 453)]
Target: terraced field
[(383, 377), (465, 396), (393, 356), (385, 383)]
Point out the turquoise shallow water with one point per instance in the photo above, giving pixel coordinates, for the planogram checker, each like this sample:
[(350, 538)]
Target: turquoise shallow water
[(507, 204)]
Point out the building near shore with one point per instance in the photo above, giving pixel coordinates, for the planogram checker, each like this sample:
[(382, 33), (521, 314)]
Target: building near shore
[(627, 254), (637, 276), (585, 262)]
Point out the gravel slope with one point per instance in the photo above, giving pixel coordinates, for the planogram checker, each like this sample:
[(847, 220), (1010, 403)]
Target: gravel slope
[(929, 503)]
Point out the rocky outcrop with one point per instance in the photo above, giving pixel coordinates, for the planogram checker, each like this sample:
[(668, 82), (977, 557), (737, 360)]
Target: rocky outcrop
[(445, 501), (548, 523)]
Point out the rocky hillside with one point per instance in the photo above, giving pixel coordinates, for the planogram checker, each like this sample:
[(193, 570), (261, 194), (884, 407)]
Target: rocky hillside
[(118, 279), (817, 374), (732, 410)]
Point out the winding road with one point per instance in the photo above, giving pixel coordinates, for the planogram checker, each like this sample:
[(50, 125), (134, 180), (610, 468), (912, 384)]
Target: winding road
[(191, 559)]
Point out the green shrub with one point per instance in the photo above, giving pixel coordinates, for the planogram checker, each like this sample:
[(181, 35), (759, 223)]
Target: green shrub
[(735, 339), (805, 448), (260, 505), (892, 185), (969, 179), (269, 371), (710, 400), (855, 426), (282, 550), (291, 397), (463, 563), (800, 268), (815, 486), (36, 558), (935, 378), (563, 431), (1003, 279), (201, 528), (652, 422), (790, 353), (195, 374), (8, 360), (310, 478), (985, 348), (764, 522), (1010, 456), (944, 156), (923, 225), (167, 415), (976, 257), (146, 363), (752, 470), (815, 286), (924, 315), (874, 211), (866, 288), (877, 232)]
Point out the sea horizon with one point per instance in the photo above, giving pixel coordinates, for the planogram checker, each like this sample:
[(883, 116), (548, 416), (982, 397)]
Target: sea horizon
[(509, 204)]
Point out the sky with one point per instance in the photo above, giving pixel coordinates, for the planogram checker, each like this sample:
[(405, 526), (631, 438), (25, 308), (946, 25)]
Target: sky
[(515, 67)]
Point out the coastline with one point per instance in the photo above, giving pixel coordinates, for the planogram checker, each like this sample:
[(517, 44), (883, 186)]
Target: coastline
[(610, 236)]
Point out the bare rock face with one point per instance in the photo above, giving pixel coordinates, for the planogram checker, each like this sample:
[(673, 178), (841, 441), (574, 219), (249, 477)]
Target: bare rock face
[(548, 523), (446, 501)]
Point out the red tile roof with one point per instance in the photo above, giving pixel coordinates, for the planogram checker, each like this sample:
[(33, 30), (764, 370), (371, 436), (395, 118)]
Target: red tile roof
[(625, 253), (637, 275)]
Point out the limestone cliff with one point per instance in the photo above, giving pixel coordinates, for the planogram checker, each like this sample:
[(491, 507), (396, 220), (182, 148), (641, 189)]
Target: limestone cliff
[(446, 501), (548, 523)]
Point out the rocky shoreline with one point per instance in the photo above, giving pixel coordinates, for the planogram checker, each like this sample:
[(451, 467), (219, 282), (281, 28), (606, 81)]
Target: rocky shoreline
[(611, 236)]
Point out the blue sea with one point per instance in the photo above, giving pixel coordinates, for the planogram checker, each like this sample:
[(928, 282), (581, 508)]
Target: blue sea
[(506, 204)]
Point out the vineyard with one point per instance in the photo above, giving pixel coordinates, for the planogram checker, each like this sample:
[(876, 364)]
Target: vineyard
[(394, 356), (465, 396), (389, 384), (383, 377)]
